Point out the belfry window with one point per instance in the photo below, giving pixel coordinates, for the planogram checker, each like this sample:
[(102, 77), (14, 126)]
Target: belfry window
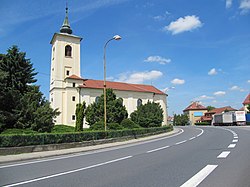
[(68, 50)]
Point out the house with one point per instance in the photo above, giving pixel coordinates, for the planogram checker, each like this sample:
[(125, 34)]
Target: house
[(194, 111), (208, 116), (67, 87)]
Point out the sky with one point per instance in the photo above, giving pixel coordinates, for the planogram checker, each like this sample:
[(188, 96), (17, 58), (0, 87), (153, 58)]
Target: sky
[(192, 50)]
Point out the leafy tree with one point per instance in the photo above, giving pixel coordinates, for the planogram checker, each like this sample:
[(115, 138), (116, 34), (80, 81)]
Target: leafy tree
[(248, 109), (148, 115), (209, 108), (44, 118), (181, 120), (116, 111), (80, 113)]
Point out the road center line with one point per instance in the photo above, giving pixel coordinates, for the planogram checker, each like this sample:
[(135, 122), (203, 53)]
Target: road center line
[(180, 142), (67, 172), (158, 149), (231, 146), (199, 177), (224, 154)]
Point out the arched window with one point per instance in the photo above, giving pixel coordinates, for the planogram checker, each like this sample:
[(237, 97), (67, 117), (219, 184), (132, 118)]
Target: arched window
[(97, 99), (139, 102), (68, 50)]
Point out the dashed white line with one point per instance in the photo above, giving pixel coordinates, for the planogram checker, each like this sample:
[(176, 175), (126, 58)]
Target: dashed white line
[(67, 172), (234, 141), (236, 137), (224, 154), (180, 142), (231, 146), (192, 138), (158, 149), (199, 177)]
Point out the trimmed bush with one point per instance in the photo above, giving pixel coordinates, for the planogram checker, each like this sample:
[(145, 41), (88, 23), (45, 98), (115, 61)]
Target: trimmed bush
[(129, 124), (18, 131), (42, 139), (114, 126), (97, 126), (203, 123), (62, 129)]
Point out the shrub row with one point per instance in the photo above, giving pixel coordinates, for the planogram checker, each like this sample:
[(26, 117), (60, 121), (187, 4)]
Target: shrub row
[(203, 123), (42, 139)]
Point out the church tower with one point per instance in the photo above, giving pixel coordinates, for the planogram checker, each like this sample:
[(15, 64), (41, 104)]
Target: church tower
[(65, 64)]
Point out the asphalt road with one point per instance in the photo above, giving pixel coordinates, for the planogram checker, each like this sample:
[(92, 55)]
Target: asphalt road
[(197, 156)]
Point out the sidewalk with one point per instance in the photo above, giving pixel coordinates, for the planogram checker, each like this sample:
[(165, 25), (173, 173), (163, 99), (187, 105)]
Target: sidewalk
[(37, 155)]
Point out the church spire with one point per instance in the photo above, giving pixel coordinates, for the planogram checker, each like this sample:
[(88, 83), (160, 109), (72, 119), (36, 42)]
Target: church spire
[(66, 27)]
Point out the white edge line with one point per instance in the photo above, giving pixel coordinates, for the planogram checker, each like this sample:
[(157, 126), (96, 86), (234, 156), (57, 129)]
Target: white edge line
[(67, 172), (224, 154), (192, 138), (158, 149), (199, 177), (89, 153)]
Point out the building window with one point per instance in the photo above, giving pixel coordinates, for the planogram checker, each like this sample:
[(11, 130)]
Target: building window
[(139, 102), (74, 84), (73, 98), (67, 72), (68, 50), (97, 99), (73, 117)]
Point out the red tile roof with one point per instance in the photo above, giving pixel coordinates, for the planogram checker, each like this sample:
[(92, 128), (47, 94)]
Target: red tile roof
[(195, 106), (97, 84), (74, 77), (220, 110), (247, 100)]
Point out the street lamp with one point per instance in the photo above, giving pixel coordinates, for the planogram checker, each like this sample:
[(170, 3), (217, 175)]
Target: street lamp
[(116, 37)]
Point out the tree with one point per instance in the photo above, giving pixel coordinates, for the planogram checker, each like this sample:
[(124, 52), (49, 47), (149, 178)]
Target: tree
[(80, 113), (19, 70), (22, 105), (148, 115), (248, 109), (116, 111), (209, 108), (181, 120)]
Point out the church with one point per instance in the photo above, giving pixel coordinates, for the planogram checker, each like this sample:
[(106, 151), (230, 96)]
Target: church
[(67, 87)]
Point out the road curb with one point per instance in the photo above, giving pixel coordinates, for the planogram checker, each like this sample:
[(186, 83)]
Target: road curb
[(96, 146)]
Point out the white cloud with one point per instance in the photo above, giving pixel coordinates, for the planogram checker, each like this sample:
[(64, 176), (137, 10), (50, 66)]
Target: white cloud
[(237, 88), (167, 89), (139, 77), (248, 81), (178, 81), (229, 3), (158, 59), (219, 93), (244, 6), (203, 97), (188, 23), (212, 72)]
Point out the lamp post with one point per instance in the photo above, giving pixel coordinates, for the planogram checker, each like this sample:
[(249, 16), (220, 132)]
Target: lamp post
[(116, 37)]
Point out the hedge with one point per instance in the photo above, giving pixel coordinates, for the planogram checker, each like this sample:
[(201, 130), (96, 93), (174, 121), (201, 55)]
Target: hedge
[(50, 138), (203, 123)]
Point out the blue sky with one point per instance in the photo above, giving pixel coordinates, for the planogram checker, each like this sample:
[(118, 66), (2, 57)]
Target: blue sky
[(193, 50)]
